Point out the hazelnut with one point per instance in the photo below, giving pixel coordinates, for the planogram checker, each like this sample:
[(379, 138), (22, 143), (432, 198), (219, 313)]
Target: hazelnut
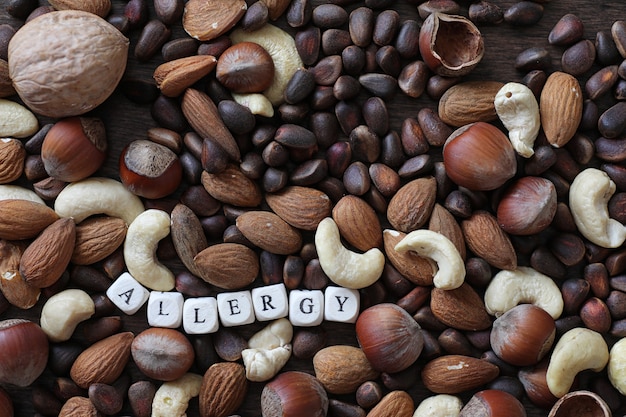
[(6, 405), (163, 354), (74, 148), (527, 206), (536, 386), (294, 394), (390, 338), (149, 169), (23, 352), (493, 403), (523, 335), (245, 67), (580, 403), (479, 156)]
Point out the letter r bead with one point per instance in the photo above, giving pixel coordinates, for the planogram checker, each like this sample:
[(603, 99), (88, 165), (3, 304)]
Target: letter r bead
[(270, 302)]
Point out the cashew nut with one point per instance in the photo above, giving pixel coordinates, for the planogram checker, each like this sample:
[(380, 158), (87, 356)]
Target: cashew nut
[(344, 267), (268, 351), (16, 192), (617, 366), (282, 48), (172, 397), (96, 195), (577, 350), (523, 285), (63, 312), (442, 405), (518, 110), (142, 239), (257, 103), (429, 244), (589, 195)]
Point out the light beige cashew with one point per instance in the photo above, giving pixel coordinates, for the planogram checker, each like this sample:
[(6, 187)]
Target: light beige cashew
[(430, 244), (172, 398), (523, 285), (441, 405), (343, 266), (577, 350), (282, 48), (257, 103), (518, 110), (589, 195), (16, 192), (142, 238), (97, 195), (268, 351), (63, 312), (617, 366)]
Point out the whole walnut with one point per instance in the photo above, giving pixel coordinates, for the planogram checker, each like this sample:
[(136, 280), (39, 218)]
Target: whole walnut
[(67, 62)]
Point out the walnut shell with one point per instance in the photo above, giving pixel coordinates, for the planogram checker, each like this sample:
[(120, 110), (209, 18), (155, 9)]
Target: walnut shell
[(67, 62)]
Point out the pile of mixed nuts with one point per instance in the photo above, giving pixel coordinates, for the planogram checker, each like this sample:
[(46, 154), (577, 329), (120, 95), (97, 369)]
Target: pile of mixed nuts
[(357, 151)]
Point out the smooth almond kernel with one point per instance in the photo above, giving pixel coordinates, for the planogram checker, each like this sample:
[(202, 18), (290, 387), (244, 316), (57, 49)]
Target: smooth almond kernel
[(12, 157), (417, 269), (231, 186), (452, 374), (173, 77), (269, 232), (410, 208), (24, 219), (224, 387), (206, 20), (469, 102), (358, 223), (301, 207), (461, 308), (560, 108), (17, 292), (395, 404), (97, 238), (341, 368), (230, 266), (486, 239)]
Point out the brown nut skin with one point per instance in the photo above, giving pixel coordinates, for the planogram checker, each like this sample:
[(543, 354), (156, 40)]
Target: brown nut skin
[(580, 403), (523, 335), (23, 352), (163, 354), (74, 148), (6, 404), (450, 45), (493, 403), (150, 170), (294, 394), (245, 67), (479, 156), (527, 206), (390, 338)]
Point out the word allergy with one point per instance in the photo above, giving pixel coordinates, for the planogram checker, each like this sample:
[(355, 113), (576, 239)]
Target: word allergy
[(202, 315)]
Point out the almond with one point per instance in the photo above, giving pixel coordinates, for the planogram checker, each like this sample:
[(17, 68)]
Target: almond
[(12, 157), (97, 238), (469, 102), (269, 232), (79, 407), (394, 404), (442, 221), (301, 207), (560, 108), (174, 77), (487, 240), (276, 7), (415, 268), (453, 374), (203, 116), (46, 258), (231, 186), (358, 223), (230, 266), (224, 387), (342, 368), (206, 20), (461, 308), (410, 208), (17, 291), (187, 236), (103, 362), (24, 219)]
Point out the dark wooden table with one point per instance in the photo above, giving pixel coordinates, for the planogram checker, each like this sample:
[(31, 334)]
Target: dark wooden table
[(126, 121)]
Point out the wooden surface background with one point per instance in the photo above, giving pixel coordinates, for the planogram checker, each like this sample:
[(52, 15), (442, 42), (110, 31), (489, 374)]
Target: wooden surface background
[(126, 121)]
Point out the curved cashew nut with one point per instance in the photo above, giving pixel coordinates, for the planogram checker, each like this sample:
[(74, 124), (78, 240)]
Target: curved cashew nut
[(97, 195), (63, 312), (441, 405), (344, 267), (257, 103), (617, 366), (589, 195), (172, 398), (268, 351), (577, 350), (523, 285), (16, 192), (518, 110), (430, 244), (142, 239)]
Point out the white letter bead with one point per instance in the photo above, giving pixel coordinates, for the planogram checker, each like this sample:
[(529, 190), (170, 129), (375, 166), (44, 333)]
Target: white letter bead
[(165, 309), (341, 304), (200, 315), (235, 308), (270, 302), (306, 308), (127, 294)]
